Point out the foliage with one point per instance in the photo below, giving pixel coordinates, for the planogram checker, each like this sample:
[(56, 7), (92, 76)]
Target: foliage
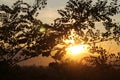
[(18, 5), (20, 35), (102, 59), (82, 16), (27, 37)]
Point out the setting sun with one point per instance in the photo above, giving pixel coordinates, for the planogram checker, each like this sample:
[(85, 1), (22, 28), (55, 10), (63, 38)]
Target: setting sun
[(77, 49), (74, 46)]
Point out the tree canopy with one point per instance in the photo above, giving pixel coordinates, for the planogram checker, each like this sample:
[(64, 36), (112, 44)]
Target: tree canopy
[(22, 36), (82, 17), (20, 32)]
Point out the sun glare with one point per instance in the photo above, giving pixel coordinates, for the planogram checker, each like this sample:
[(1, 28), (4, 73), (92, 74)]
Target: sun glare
[(77, 49)]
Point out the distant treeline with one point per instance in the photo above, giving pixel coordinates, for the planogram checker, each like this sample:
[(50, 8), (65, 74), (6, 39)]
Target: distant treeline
[(61, 72)]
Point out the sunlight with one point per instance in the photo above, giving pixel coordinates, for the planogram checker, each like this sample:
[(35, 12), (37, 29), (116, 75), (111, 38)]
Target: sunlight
[(74, 45), (77, 49)]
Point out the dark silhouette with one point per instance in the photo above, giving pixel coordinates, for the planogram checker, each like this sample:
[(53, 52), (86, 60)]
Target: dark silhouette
[(20, 32), (61, 72)]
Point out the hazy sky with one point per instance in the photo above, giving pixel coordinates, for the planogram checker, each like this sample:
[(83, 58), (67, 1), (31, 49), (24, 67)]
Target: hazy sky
[(48, 14)]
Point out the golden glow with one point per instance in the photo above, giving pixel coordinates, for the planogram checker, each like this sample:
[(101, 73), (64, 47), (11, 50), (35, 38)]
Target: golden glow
[(73, 46), (77, 49)]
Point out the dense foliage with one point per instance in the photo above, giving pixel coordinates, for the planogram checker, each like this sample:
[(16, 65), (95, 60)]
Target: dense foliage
[(83, 16), (22, 36), (20, 32)]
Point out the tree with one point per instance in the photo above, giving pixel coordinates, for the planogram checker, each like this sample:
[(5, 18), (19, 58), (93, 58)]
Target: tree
[(20, 35), (82, 16)]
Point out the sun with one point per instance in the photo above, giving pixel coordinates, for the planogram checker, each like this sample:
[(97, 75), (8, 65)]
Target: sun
[(75, 45), (77, 49)]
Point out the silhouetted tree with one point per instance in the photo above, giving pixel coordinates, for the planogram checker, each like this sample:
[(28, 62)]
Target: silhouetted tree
[(82, 16), (102, 59), (21, 37)]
